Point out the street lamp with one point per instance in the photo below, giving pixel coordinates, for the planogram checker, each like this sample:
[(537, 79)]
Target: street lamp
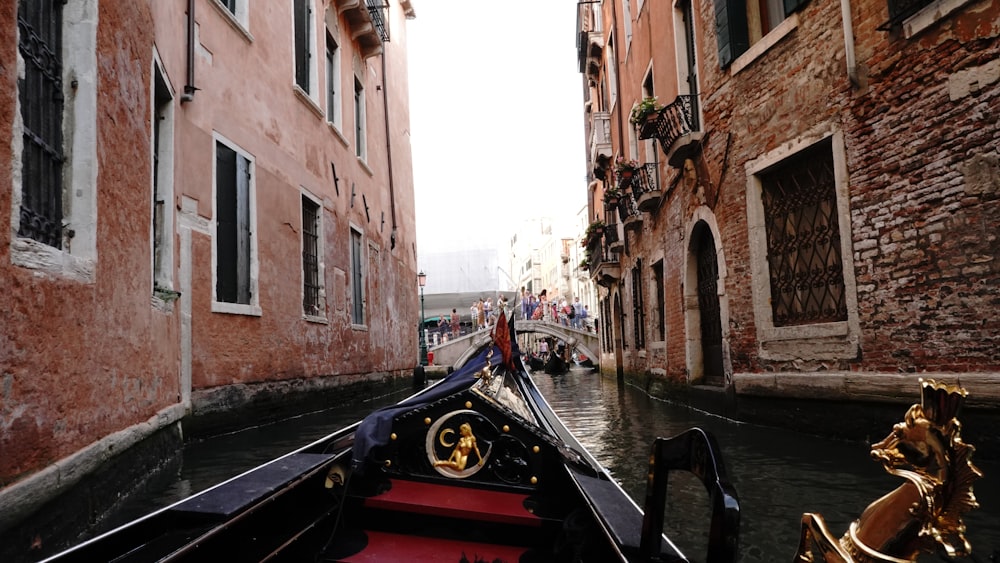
[(422, 281)]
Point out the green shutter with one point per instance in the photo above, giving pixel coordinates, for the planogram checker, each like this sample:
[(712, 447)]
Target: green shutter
[(793, 6), (731, 29)]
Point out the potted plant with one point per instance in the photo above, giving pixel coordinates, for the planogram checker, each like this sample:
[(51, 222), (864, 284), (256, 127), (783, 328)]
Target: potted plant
[(611, 195), (593, 232), (642, 110), (625, 167)]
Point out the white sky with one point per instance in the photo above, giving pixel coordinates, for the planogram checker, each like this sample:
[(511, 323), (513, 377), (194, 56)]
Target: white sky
[(496, 118)]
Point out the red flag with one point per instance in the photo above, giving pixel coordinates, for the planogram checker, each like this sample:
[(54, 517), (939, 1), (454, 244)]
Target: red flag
[(501, 337)]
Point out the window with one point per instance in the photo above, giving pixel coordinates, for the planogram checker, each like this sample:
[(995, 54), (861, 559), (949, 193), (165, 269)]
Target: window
[(311, 228), (163, 180), (627, 21), (357, 279), (803, 239), (360, 137), (333, 110), (741, 23), (660, 310), (238, 9), (234, 247), (40, 34), (303, 15), (612, 67), (54, 204), (687, 66), (638, 308)]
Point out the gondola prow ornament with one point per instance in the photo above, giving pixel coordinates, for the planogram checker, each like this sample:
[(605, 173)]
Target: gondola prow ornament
[(924, 514)]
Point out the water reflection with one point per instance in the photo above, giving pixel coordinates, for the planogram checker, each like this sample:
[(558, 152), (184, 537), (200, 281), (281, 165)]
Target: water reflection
[(778, 474)]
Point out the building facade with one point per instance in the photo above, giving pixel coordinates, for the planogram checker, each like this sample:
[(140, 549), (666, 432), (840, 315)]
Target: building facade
[(812, 207), (202, 201)]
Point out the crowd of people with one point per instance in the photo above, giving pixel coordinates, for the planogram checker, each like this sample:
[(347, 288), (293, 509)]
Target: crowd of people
[(559, 311), (485, 311)]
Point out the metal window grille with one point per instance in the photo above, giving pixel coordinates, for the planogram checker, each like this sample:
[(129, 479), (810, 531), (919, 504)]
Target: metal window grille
[(803, 240), (638, 308), (310, 257), (39, 25)]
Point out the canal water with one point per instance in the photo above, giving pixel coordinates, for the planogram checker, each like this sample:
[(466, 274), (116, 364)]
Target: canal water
[(778, 474)]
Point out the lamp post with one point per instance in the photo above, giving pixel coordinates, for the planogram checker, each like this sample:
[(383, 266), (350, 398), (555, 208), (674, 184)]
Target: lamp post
[(422, 281)]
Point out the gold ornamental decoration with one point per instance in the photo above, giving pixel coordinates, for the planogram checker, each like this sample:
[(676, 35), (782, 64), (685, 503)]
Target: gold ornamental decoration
[(924, 514), (452, 446)]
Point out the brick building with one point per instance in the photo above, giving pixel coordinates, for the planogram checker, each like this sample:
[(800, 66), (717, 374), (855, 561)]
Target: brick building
[(814, 206), (205, 203)]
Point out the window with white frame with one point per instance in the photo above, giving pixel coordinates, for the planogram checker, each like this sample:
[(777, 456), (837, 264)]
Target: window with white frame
[(804, 287), (357, 284), (162, 230), (612, 66), (360, 121), (627, 22), (333, 93), (742, 23), (312, 284), (54, 155), (302, 12), (235, 247), (238, 9)]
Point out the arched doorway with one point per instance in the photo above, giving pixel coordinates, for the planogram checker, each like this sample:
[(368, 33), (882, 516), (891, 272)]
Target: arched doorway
[(706, 286)]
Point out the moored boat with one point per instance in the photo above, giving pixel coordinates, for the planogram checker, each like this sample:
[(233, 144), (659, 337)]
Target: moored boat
[(476, 467)]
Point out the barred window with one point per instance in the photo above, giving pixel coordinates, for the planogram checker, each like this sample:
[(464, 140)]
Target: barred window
[(40, 25), (310, 258), (638, 308), (803, 239)]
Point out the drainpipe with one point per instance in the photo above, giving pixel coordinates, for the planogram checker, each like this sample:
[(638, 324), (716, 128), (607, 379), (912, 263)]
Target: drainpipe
[(852, 66), (189, 88), (388, 154)]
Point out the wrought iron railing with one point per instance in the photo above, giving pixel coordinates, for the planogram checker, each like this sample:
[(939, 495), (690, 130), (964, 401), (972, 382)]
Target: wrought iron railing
[(673, 122), (377, 10), (899, 10), (627, 207), (645, 180)]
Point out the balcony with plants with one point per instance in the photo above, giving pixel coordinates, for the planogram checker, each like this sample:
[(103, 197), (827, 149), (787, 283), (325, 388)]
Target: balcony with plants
[(675, 126)]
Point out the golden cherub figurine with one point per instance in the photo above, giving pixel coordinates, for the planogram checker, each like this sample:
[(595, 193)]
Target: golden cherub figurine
[(460, 455)]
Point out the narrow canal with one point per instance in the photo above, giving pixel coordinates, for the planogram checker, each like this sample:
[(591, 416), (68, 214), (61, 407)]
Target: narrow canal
[(778, 475)]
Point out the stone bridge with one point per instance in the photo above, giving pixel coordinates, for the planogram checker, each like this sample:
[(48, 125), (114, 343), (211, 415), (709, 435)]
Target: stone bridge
[(458, 351)]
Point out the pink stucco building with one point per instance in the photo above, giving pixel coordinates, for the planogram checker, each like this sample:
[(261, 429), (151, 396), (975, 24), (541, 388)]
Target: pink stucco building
[(203, 202)]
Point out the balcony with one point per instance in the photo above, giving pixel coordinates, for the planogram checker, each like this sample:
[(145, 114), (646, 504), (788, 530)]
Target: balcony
[(366, 23), (612, 241), (600, 137), (646, 187), (605, 270), (676, 128), (628, 212)]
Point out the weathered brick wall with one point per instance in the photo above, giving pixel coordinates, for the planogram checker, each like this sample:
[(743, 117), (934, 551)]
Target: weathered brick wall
[(925, 175), (80, 360)]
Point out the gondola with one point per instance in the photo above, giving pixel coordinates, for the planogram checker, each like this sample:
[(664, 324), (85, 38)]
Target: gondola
[(555, 364), (476, 467)]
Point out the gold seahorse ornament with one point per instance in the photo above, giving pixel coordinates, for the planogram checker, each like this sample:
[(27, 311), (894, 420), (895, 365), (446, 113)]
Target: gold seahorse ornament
[(922, 515)]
